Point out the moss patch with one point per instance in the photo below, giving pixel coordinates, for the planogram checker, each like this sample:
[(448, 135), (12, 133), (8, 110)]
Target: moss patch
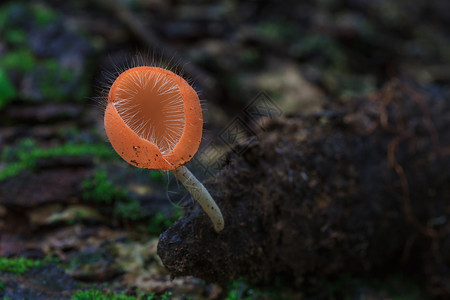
[(100, 295), (160, 222), (18, 265), (47, 74), (99, 189), (20, 60), (7, 89), (26, 154)]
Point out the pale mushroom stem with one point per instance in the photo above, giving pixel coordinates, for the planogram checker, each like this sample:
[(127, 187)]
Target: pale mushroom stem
[(201, 194)]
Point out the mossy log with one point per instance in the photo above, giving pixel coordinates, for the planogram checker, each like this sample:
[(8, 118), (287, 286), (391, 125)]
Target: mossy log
[(362, 188)]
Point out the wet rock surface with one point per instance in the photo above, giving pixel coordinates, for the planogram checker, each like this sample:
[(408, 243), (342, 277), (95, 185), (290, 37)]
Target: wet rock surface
[(46, 184)]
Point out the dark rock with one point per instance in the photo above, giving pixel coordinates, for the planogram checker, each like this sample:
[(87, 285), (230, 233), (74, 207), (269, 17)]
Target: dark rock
[(33, 188), (363, 191), (94, 265)]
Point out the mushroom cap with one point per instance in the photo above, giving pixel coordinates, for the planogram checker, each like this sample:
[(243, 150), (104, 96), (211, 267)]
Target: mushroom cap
[(153, 118)]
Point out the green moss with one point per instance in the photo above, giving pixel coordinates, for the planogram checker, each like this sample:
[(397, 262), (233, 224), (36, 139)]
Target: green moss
[(11, 16), (18, 265), (99, 190), (166, 296), (157, 175), (55, 81), (21, 60), (130, 209), (58, 80), (99, 150), (26, 154), (53, 85), (7, 89), (15, 36), (3, 17), (39, 13), (43, 14), (159, 222), (100, 295), (238, 290), (151, 296), (11, 170), (2, 286)]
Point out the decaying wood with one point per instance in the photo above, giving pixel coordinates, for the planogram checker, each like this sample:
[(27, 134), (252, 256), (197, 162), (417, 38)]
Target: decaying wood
[(362, 188)]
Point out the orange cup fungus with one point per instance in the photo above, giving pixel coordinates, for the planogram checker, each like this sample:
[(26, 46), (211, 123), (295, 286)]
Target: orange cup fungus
[(153, 118)]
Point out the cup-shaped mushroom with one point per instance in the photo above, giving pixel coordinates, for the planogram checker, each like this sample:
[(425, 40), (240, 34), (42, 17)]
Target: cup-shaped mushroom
[(153, 118)]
